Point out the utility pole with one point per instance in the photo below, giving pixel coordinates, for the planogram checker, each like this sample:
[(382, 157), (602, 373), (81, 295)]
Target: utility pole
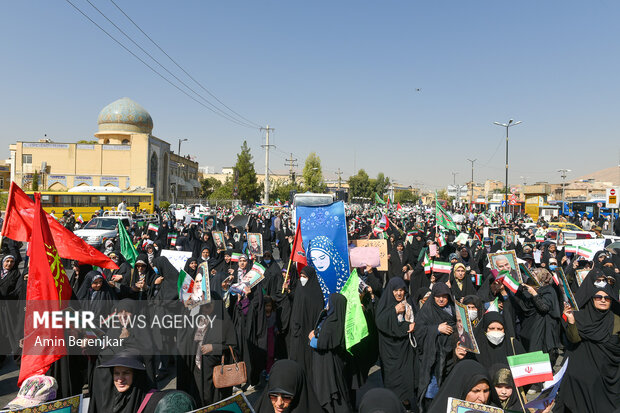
[(339, 173), (267, 146), (291, 163), (454, 174), (471, 195)]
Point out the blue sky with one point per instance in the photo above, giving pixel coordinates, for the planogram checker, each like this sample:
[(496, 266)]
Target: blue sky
[(338, 78)]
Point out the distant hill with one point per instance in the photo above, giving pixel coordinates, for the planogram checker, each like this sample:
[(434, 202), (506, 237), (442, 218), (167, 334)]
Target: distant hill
[(604, 175)]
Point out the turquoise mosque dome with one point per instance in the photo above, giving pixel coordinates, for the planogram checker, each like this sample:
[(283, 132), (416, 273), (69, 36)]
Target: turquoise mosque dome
[(125, 115)]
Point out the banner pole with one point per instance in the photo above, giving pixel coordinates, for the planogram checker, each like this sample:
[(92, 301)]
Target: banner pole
[(286, 277)]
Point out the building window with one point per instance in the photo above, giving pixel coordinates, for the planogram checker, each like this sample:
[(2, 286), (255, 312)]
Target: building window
[(27, 158), (2, 182), (125, 142)]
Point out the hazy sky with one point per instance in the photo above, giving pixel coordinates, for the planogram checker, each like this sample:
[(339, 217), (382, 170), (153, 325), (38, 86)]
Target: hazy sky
[(407, 88)]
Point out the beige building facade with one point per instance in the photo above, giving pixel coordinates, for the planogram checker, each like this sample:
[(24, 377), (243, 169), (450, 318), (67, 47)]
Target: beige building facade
[(125, 154)]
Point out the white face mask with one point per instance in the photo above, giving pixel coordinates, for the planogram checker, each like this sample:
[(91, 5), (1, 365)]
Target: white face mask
[(600, 284), (472, 314), (495, 337), (303, 281)]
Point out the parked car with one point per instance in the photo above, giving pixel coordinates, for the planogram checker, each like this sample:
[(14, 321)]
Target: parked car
[(99, 229)]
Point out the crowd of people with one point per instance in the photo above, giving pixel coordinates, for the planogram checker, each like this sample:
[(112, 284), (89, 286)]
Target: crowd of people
[(293, 340)]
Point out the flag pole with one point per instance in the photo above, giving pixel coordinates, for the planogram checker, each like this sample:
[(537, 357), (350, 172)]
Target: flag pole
[(286, 277)]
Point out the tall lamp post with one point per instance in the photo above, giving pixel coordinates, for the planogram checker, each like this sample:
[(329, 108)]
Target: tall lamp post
[(471, 195), (563, 173), (176, 186), (181, 140), (506, 125)]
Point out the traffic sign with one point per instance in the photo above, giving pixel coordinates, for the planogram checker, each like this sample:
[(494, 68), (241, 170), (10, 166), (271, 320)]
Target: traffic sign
[(599, 204), (612, 198)]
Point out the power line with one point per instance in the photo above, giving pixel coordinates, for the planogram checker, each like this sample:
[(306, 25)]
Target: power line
[(162, 66), (184, 71), (153, 69)]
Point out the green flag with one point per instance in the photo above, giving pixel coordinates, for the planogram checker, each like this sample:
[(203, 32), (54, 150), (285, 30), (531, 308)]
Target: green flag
[(127, 249), (355, 327), (444, 219), (379, 200)]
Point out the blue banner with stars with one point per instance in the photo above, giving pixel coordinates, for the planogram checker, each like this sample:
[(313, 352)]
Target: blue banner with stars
[(324, 232)]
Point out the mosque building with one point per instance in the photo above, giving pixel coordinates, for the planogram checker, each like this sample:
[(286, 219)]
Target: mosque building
[(125, 155)]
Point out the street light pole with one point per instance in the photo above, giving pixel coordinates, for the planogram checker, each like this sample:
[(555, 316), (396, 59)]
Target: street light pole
[(176, 185), (506, 125), (471, 195), (181, 140), (563, 175)]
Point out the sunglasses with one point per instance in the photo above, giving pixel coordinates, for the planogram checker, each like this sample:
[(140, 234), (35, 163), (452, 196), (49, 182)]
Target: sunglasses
[(284, 397), (598, 297)]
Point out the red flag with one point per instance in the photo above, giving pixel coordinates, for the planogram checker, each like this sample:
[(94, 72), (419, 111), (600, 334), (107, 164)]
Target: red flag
[(388, 203), (17, 225), (48, 290), (398, 207), (298, 255)]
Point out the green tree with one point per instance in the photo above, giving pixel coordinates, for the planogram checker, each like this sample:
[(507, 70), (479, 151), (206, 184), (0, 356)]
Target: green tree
[(404, 196), (85, 141), (35, 181), (282, 190), (360, 185), (381, 184), (442, 194), (208, 186), (223, 191), (249, 190), (313, 174)]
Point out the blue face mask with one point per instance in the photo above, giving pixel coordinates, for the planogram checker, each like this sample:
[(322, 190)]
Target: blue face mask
[(267, 261), (156, 270), (552, 267)]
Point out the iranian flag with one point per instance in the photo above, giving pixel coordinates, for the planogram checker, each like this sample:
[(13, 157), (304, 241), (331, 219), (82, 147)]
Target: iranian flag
[(185, 285), (153, 227), (500, 276), (443, 267), (493, 306), (511, 283), (80, 219), (441, 240), (258, 268), (234, 257), (530, 368), (427, 263), (477, 279), (570, 248), (172, 235), (540, 238), (196, 220), (587, 253), (173, 241)]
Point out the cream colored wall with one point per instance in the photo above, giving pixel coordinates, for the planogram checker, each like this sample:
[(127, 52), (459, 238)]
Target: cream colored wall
[(139, 159), (77, 159)]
